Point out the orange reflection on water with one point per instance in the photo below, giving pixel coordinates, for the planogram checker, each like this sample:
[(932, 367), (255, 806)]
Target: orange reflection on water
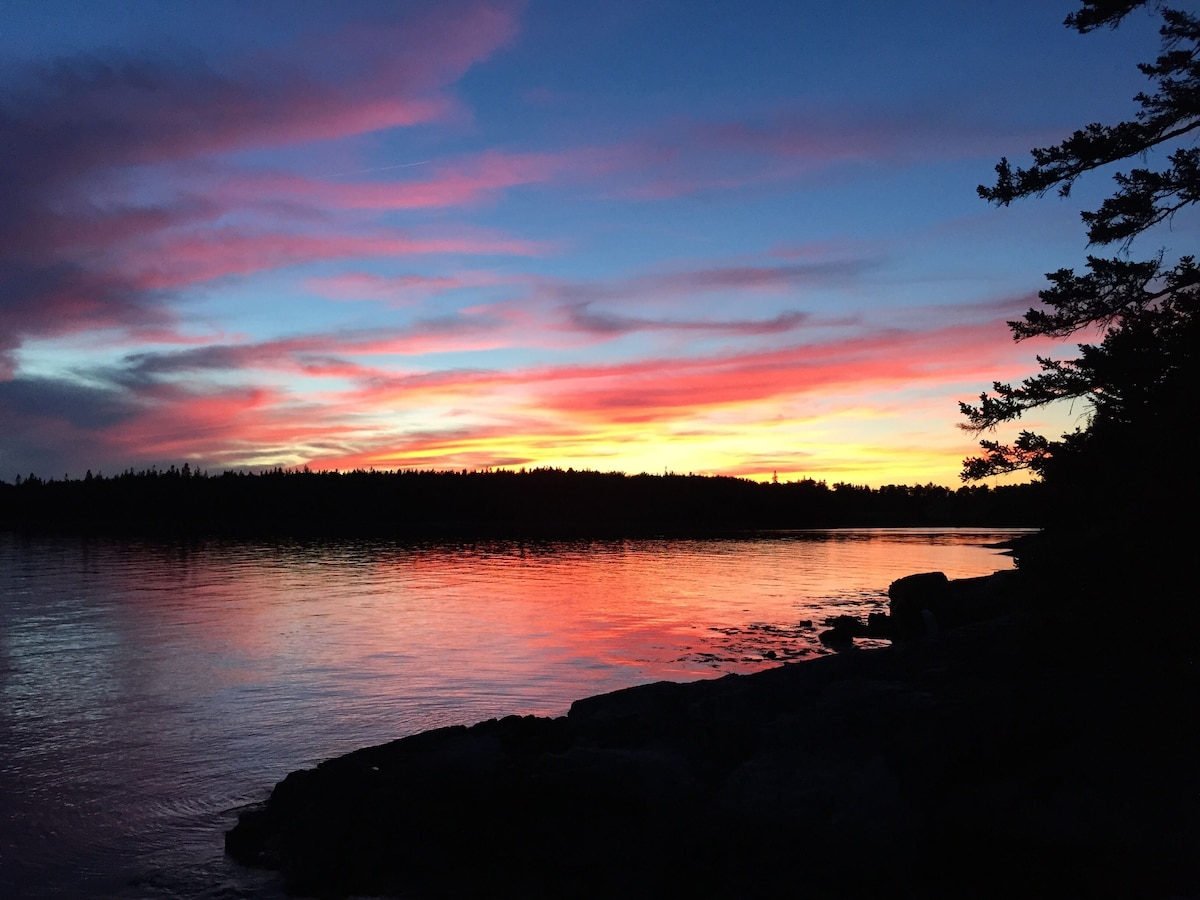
[(212, 669), (378, 639), (601, 614)]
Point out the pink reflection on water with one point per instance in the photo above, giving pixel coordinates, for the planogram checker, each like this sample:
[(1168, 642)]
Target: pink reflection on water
[(211, 670), (343, 643), (499, 627)]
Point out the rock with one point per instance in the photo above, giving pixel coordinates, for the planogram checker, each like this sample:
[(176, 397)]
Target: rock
[(845, 628), (929, 623), (982, 598), (909, 596), (879, 625), (837, 639), (924, 604), (841, 635)]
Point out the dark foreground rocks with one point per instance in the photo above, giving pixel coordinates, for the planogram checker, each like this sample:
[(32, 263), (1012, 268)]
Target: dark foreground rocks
[(989, 761)]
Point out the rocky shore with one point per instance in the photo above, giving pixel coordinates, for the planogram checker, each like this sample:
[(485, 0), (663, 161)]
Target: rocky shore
[(986, 753)]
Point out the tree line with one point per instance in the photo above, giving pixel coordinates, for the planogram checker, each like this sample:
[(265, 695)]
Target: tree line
[(543, 502)]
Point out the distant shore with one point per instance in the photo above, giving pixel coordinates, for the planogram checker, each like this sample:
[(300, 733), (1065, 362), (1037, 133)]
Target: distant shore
[(988, 760), (540, 504)]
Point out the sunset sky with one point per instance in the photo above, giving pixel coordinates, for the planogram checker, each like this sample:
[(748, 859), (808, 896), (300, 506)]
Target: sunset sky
[(728, 238)]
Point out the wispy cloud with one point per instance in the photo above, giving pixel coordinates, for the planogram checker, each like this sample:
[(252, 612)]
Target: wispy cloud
[(400, 289), (404, 238), (77, 255), (456, 181), (583, 318), (335, 407), (687, 156), (179, 261)]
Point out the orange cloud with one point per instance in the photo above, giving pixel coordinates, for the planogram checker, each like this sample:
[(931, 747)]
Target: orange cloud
[(868, 409), (552, 414)]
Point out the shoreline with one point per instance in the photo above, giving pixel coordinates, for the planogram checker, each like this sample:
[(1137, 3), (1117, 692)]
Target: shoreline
[(987, 753)]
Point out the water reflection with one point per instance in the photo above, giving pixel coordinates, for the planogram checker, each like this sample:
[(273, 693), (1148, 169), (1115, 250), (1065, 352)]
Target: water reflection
[(148, 689)]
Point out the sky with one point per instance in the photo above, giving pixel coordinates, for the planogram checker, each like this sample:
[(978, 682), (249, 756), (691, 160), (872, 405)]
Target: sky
[(708, 237)]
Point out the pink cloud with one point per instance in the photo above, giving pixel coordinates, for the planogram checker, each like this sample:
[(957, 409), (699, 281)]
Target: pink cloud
[(454, 182), (548, 314), (104, 113), (653, 389), (78, 251), (326, 355), (447, 182), (162, 408), (57, 422), (189, 259), (574, 403), (609, 309), (175, 421), (669, 389)]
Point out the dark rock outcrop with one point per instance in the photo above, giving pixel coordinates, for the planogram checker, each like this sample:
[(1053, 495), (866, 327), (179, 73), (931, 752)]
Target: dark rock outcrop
[(930, 602), (844, 629), (975, 765)]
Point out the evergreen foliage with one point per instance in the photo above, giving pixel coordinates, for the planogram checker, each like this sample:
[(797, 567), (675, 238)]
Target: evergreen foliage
[(1140, 379), (539, 503)]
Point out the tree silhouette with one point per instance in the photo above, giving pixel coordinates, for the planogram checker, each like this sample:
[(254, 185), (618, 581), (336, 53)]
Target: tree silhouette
[(538, 503), (1141, 378)]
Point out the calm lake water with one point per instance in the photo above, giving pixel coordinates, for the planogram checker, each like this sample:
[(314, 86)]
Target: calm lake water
[(147, 690)]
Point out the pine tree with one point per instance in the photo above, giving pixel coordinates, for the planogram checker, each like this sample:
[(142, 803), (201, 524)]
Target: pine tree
[(1141, 378)]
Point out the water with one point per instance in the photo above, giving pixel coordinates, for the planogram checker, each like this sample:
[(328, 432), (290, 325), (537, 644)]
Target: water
[(149, 690)]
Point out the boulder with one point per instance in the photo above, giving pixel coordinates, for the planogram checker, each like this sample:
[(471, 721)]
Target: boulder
[(844, 629), (921, 605), (910, 596), (841, 635)]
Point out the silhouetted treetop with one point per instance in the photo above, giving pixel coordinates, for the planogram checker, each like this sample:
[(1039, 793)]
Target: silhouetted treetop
[(1099, 13), (543, 503), (1140, 379), (1144, 197)]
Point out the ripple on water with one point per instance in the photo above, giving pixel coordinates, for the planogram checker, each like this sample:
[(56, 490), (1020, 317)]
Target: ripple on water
[(148, 690)]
